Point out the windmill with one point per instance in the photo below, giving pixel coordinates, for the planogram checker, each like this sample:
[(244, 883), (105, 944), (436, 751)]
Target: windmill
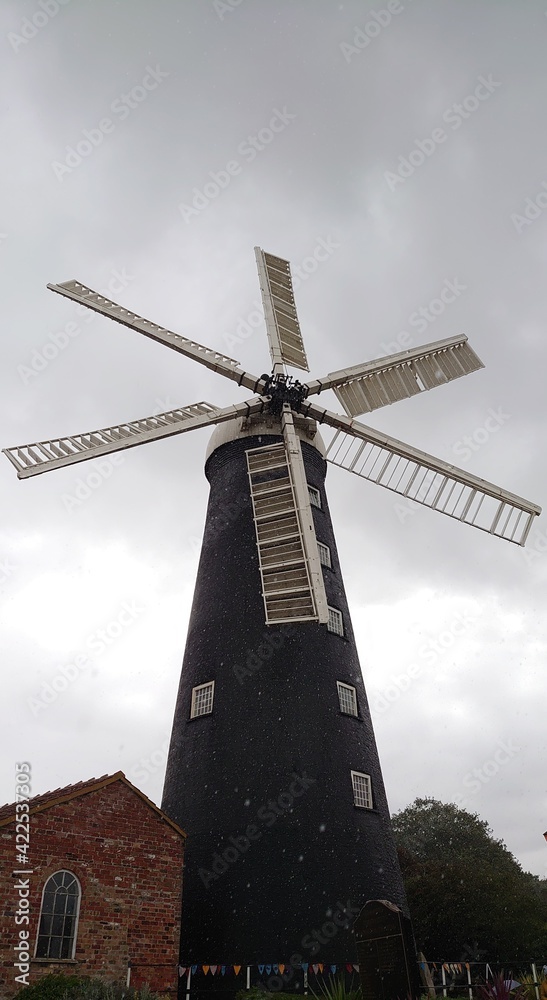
[(273, 769)]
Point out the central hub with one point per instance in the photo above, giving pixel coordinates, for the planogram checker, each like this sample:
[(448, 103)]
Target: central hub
[(282, 389)]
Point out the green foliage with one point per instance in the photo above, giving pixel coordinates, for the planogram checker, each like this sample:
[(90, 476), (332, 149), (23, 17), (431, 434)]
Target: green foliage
[(335, 989), (499, 989), (468, 895), (58, 987)]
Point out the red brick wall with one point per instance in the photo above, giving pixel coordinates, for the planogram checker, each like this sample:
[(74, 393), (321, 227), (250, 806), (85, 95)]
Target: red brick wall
[(129, 864)]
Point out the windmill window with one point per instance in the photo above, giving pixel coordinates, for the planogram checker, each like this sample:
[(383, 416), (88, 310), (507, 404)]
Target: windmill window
[(59, 917), (335, 623), (315, 496), (347, 697), (324, 555), (202, 699), (362, 790)]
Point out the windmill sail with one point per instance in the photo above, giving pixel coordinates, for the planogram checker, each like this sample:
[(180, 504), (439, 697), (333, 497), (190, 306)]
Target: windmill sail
[(282, 325), (41, 456), (292, 582), (373, 384), (428, 480), (214, 360)]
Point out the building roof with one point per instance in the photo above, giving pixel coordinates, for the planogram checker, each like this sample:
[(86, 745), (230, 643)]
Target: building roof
[(38, 803)]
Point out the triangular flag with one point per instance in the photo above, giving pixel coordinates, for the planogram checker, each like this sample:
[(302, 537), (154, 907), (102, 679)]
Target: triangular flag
[(214, 969), (194, 969), (320, 966), (223, 970), (333, 968), (356, 967), (349, 968), (205, 969), (182, 970), (268, 969), (237, 969), (281, 969), (315, 968), (305, 966), (261, 969), (276, 969)]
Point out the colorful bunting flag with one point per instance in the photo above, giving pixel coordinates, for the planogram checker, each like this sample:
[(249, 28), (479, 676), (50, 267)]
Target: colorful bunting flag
[(276, 969), (268, 969), (315, 968), (356, 967), (320, 966), (205, 969), (214, 969), (237, 969), (281, 969), (333, 968), (182, 970), (223, 970), (305, 966), (261, 969), (194, 969), (349, 968)]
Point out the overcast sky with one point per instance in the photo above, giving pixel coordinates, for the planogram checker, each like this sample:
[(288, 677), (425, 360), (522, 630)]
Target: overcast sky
[(146, 149)]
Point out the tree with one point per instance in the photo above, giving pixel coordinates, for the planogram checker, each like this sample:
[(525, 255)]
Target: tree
[(468, 895)]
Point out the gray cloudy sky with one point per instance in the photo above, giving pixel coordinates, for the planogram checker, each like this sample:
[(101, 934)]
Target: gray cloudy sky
[(146, 148)]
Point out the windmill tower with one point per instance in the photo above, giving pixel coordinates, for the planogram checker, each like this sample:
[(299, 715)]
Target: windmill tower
[(273, 769)]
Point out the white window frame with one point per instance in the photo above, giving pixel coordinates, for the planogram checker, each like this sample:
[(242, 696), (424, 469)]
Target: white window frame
[(362, 796), (200, 687), (335, 623), (76, 916), (315, 496), (352, 697), (326, 561)]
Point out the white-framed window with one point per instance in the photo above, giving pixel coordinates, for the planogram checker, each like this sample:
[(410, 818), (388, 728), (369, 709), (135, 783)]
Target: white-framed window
[(315, 496), (362, 790), (58, 917), (324, 555), (347, 697), (202, 699), (335, 623)]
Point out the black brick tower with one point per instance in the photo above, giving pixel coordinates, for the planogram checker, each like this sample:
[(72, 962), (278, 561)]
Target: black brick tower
[(262, 784)]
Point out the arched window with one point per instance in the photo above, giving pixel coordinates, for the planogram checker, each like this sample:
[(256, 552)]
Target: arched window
[(58, 916)]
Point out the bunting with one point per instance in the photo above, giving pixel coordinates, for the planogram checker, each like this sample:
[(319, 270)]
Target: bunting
[(278, 968)]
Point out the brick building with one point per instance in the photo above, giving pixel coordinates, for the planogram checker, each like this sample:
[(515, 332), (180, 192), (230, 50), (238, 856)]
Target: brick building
[(104, 887)]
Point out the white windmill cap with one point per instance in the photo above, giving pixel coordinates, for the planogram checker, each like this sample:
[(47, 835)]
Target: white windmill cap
[(263, 425)]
